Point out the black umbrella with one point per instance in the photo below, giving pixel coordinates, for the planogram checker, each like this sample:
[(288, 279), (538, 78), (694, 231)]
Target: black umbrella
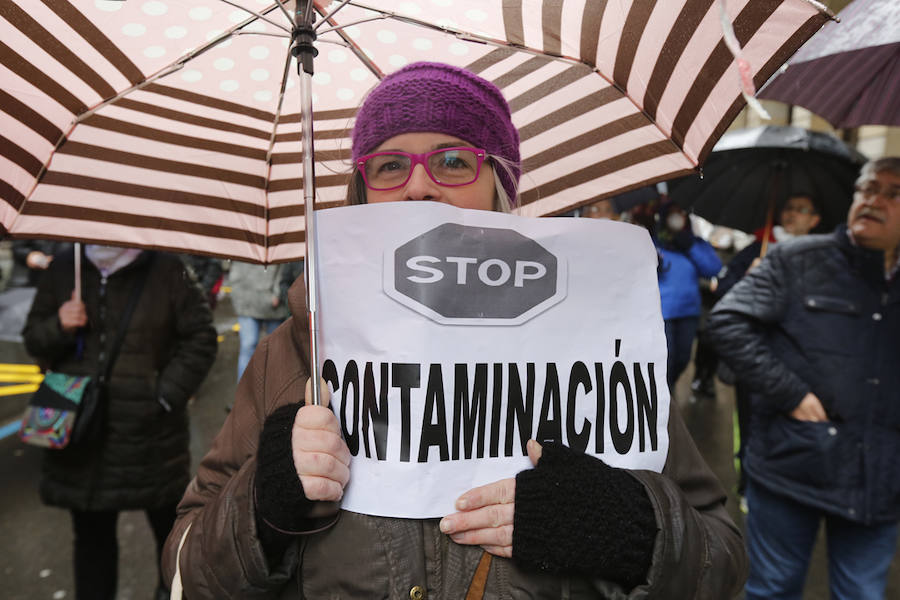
[(751, 172)]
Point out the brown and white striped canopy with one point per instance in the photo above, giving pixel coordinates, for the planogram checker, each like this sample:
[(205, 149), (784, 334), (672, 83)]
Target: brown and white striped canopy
[(175, 124)]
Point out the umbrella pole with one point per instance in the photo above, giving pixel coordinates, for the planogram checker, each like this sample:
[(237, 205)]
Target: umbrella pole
[(78, 270), (770, 217), (303, 49), (775, 185)]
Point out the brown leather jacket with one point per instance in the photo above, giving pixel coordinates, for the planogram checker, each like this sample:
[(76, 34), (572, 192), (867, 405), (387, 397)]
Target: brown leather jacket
[(698, 552)]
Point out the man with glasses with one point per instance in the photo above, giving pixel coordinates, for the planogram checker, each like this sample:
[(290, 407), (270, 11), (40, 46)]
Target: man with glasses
[(798, 217), (814, 331)]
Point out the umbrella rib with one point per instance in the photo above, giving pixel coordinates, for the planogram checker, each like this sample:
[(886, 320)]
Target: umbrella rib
[(260, 15), (345, 25), (823, 9), (284, 10), (327, 18), (354, 47), (278, 35)]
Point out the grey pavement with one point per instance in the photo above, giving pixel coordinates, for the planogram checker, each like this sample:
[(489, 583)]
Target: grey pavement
[(35, 541), (14, 306)]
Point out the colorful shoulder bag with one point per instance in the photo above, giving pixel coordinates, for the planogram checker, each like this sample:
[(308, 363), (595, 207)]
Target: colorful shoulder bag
[(50, 418), (66, 409)]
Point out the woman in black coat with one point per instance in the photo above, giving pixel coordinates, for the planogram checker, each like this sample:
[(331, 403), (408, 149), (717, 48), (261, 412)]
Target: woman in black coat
[(139, 458)]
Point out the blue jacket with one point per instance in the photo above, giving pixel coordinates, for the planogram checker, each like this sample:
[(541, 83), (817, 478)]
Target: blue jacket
[(818, 316), (679, 290)]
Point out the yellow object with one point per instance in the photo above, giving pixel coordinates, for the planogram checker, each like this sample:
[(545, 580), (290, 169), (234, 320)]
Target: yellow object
[(14, 368), (15, 390), (21, 377)]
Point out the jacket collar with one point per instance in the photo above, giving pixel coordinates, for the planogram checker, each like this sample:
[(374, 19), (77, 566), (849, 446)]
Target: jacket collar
[(142, 259), (867, 262)]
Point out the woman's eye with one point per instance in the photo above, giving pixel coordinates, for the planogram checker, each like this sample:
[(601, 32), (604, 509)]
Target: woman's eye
[(453, 161), (389, 166)]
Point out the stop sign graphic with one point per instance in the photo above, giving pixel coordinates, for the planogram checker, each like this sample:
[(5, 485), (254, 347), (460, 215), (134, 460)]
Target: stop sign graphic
[(460, 274)]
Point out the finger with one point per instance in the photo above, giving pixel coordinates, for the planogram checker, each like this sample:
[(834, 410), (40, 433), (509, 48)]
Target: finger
[(504, 551), (535, 450), (317, 417), (492, 536), (494, 516), (326, 442), (319, 488), (819, 411), (499, 492), (324, 393), (319, 464)]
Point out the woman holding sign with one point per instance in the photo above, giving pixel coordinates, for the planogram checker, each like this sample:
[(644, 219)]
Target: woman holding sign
[(263, 510)]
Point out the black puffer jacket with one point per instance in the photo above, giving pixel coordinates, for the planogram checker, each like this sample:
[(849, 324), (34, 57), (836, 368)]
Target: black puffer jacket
[(818, 316), (142, 460)]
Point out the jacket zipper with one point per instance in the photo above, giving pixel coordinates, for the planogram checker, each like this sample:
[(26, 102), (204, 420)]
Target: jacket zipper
[(867, 517), (95, 470)]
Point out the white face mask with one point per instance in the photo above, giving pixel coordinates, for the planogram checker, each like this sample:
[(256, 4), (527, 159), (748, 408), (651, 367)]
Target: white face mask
[(675, 222), (781, 234), (110, 259)]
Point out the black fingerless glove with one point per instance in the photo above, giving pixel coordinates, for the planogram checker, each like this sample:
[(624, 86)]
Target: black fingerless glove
[(684, 239), (576, 515), (282, 509)]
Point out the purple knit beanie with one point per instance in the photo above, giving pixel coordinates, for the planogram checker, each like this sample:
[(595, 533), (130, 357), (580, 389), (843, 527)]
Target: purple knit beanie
[(435, 97)]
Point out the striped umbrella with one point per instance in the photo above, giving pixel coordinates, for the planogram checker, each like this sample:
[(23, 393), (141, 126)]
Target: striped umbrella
[(175, 124)]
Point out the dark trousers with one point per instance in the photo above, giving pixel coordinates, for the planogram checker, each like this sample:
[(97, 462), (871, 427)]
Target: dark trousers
[(96, 554), (680, 334), (780, 538), (706, 361), (742, 404)]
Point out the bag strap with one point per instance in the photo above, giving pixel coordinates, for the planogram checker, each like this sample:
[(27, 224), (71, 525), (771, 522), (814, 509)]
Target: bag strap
[(479, 579), (105, 370), (177, 586)]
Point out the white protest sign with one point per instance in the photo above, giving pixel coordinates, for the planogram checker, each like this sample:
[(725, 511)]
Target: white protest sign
[(450, 337)]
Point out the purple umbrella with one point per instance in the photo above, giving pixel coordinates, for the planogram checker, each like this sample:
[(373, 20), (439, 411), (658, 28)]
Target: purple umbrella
[(849, 72)]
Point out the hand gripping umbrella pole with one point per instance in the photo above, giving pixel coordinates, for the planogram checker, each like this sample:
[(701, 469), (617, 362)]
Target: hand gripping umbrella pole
[(303, 49)]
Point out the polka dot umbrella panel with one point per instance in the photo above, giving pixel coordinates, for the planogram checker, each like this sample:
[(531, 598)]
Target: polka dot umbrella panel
[(175, 124)]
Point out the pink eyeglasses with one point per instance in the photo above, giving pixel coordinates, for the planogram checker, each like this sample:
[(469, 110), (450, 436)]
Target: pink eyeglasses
[(451, 167)]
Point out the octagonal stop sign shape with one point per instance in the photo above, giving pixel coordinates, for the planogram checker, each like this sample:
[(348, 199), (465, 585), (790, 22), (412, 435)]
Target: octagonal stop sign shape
[(461, 274)]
